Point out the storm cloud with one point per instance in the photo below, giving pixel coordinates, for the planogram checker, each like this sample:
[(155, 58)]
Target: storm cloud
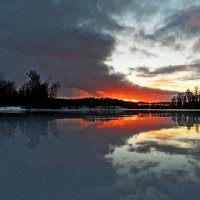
[(178, 24), (71, 41)]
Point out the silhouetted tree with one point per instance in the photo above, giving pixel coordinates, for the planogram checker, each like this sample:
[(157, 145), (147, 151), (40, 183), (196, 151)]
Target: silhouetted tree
[(188, 99), (53, 89), (34, 89), (36, 93), (7, 90), (189, 95), (196, 93), (174, 101), (180, 99)]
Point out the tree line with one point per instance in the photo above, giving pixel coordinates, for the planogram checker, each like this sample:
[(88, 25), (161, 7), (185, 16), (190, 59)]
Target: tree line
[(33, 93), (188, 99), (36, 93)]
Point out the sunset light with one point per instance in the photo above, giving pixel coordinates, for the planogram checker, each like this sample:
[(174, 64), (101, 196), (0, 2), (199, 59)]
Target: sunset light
[(137, 51)]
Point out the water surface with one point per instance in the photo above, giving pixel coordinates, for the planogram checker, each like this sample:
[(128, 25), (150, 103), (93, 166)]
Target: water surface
[(101, 156)]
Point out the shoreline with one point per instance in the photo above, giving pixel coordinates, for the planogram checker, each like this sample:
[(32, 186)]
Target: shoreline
[(14, 110)]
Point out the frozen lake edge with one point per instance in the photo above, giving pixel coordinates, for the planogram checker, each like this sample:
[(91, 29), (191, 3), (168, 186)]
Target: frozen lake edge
[(86, 110)]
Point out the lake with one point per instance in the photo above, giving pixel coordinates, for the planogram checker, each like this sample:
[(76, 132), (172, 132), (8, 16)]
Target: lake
[(118, 155)]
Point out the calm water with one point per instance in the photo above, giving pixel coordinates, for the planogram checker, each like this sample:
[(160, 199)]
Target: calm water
[(110, 156)]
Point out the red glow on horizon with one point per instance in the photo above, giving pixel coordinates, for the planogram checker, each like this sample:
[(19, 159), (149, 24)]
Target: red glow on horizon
[(129, 94), (126, 96), (126, 92)]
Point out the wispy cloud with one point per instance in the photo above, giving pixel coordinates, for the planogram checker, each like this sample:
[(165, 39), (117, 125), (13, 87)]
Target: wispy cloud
[(148, 72), (142, 52)]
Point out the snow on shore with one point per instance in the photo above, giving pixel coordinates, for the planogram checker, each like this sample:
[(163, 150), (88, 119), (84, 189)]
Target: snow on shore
[(86, 109), (83, 109), (11, 110)]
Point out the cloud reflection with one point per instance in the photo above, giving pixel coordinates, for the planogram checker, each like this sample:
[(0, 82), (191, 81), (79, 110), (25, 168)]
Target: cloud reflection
[(162, 164)]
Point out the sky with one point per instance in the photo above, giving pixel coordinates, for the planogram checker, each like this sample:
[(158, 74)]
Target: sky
[(136, 50)]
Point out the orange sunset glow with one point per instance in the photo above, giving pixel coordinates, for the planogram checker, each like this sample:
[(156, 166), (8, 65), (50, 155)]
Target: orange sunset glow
[(126, 92), (135, 94)]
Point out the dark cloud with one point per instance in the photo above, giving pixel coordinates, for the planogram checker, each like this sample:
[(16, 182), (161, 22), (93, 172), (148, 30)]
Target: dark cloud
[(69, 41), (50, 36), (140, 10), (170, 41), (178, 25), (146, 146), (182, 22), (165, 39), (147, 72), (190, 77)]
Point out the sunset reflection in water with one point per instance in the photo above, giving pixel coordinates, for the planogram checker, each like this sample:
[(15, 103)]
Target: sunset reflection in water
[(111, 156)]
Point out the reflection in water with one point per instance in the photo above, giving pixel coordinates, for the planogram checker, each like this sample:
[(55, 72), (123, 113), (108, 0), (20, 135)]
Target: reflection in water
[(137, 156), (163, 164), (36, 126), (187, 119), (32, 128)]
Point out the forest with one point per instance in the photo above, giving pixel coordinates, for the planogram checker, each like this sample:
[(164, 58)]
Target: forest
[(36, 93), (187, 100), (33, 93)]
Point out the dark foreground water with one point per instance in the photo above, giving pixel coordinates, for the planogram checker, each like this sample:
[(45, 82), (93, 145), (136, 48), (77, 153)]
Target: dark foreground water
[(93, 156)]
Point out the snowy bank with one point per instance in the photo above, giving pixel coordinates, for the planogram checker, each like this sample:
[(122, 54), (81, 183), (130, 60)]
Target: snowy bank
[(12, 110)]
